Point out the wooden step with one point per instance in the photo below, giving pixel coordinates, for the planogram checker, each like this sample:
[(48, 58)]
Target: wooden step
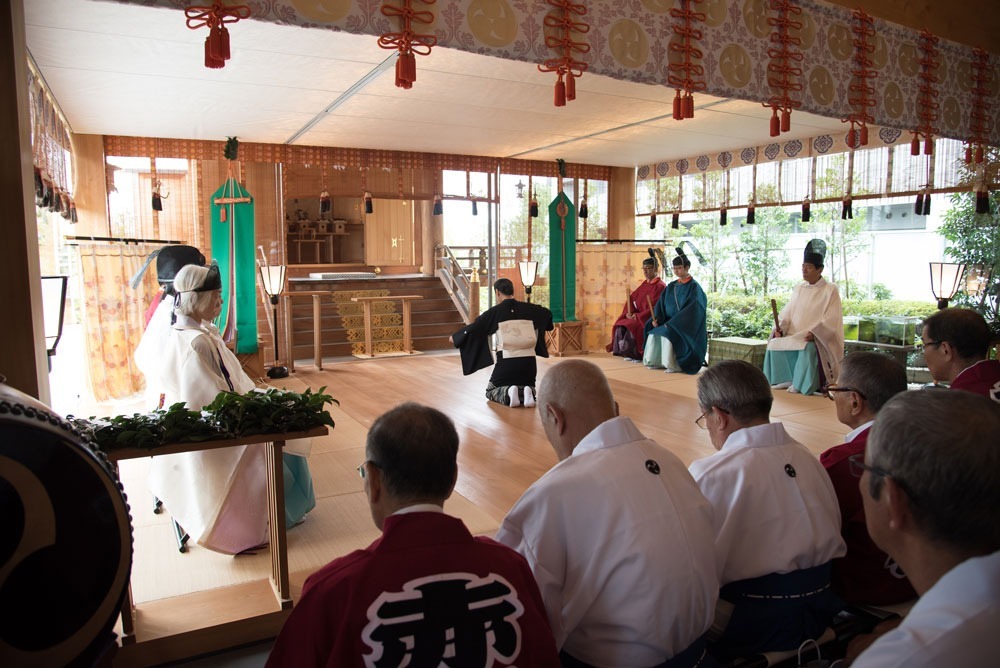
[(433, 318)]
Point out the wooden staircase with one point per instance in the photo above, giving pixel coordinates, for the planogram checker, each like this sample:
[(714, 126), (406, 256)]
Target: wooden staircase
[(434, 318)]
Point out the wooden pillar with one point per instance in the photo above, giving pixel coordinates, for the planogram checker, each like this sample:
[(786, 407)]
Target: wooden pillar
[(22, 355), (621, 203), (431, 233)]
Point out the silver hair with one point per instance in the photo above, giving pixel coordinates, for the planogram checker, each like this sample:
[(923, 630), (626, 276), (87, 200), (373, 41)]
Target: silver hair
[(188, 279), (942, 448), (738, 388), (876, 375)]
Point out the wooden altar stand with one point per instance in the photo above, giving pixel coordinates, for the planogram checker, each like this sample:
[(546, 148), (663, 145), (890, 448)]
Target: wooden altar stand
[(407, 331), (172, 629), (567, 338)]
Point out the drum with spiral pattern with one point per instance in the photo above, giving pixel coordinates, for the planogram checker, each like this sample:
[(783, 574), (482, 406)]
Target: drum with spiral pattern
[(65, 540)]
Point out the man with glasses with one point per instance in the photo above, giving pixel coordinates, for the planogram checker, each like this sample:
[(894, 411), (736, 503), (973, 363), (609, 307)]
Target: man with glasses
[(931, 490), (617, 534), (427, 593), (956, 342), (777, 525), (866, 575)]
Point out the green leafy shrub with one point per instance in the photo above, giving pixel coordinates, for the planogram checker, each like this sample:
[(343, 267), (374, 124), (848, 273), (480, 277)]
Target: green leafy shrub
[(750, 316)]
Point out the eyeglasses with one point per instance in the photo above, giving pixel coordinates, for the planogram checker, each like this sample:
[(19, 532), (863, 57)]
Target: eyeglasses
[(700, 421), (830, 389), (857, 466), (923, 344), (361, 467)]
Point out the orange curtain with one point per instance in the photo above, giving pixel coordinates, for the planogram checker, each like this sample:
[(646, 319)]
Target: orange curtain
[(113, 315)]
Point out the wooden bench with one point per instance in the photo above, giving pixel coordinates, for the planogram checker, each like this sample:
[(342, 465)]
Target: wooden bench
[(366, 302)]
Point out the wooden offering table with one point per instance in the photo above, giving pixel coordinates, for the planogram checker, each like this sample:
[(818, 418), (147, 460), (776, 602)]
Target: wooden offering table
[(179, 637), (407, 332), (566, 338)]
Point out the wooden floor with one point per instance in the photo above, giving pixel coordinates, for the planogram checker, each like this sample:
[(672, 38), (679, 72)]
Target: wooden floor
[(502, 451)]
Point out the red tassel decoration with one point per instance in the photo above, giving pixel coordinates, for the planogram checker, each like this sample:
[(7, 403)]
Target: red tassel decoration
[(968, 154), (570, 86), (369, 208), (211, 61), (223, 42), (723, 217), (652, 221), (864, 135), (678, 106), (918, 206), (979, 155), (689, 106), (928, 145), (675, 221), (915, 145), (806, 210), (533, 207), (751, 215), (775, 123), (927, 205), (560, 94), (786, 120)]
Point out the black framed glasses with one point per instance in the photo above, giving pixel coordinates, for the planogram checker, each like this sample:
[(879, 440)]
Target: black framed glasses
[(830, 390), (361, 467), (700, 420), (857, 466), (923, 344)]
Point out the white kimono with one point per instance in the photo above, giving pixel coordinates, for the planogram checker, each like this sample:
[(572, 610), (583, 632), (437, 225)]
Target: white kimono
[(620, 541), (954, 623), (218, 496), (768, 520), (814, 308)]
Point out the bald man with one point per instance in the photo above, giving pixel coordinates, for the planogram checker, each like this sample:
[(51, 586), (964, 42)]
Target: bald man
[(618, 535)]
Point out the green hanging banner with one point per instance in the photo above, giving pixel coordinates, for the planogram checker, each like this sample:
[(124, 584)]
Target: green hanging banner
[(562, 259), (233, 249)]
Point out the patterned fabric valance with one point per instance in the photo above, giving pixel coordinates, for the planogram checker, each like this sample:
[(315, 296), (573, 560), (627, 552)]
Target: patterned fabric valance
[(196, 149), (632, 41), (51, 148)]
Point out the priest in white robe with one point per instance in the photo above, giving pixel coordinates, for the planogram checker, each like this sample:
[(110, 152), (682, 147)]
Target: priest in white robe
[(806, 347), (218, 496)]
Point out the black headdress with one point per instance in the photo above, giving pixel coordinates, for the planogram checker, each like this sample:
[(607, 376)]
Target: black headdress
[(815, 253)]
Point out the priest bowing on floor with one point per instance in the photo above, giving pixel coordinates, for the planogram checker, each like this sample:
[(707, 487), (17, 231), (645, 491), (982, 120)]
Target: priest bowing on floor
[(807, 343), (627, 333)]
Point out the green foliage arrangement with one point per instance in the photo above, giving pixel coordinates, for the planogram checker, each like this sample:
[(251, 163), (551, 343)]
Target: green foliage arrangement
[(230, 415), (750, 316)]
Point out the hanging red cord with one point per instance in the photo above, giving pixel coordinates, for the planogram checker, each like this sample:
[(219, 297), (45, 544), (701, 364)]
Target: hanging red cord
[(784, 76), (686, 75), (566, 67), (861, 95), (216, 17), (407, 42)]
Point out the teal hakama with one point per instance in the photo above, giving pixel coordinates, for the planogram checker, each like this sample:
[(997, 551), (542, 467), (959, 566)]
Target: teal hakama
[(798, 367), (681, 311), (300, 497)]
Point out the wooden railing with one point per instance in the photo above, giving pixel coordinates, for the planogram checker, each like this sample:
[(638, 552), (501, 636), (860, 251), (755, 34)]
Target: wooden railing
[(461, 278)]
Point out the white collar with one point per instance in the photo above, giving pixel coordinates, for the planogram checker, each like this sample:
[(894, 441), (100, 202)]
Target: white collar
[(420, 508), (854, 433)]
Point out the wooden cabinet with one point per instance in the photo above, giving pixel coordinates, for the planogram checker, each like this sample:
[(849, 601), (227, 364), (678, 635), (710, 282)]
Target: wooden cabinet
[(389, 233)]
